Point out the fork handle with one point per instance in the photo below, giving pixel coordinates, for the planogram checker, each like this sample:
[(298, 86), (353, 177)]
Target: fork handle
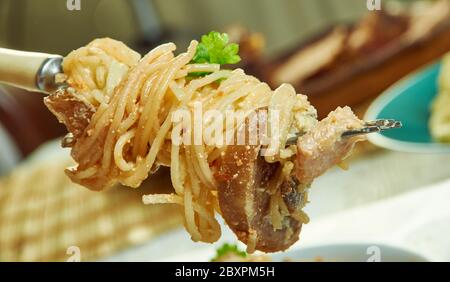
[(29, 70)]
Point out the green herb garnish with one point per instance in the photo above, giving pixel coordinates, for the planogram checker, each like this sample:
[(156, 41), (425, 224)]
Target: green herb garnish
[(215, 49), (226, 249)]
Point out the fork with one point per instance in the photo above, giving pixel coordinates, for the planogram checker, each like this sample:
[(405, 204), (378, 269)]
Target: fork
[(31, 71)]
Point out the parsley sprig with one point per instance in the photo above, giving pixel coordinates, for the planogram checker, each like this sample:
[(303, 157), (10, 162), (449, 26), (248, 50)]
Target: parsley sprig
[(227, 249), (214, 48)]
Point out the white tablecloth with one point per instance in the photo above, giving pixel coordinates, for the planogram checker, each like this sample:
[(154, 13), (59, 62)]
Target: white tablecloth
[(418, 220)]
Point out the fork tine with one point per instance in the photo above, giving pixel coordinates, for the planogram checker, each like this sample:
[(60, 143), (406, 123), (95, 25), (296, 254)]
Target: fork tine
[(384, 123), (364, 130), (370, 127)]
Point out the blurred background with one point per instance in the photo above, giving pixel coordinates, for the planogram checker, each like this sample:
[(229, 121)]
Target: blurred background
[(336, 52), (48, 26)]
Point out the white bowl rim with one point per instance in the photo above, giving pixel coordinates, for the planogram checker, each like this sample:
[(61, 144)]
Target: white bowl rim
[(396, 248)]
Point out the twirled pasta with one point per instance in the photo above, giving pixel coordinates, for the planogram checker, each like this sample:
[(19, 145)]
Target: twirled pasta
[(121, 110)]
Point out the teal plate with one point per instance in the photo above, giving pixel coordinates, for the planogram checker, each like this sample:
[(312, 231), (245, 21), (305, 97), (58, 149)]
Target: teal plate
[(408, 101)]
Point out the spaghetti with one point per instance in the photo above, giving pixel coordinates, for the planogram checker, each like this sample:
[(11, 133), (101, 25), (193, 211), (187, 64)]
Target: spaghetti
[(129, 134)]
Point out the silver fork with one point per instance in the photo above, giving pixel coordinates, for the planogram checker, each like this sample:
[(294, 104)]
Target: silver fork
[(369, 127)]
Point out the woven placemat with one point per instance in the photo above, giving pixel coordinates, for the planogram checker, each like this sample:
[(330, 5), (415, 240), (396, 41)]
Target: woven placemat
[(46, 217)]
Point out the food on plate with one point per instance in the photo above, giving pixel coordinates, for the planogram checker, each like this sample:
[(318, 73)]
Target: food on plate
[(342, 46), (377, 32), (351, 63), (128, 116), (440, 109)]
